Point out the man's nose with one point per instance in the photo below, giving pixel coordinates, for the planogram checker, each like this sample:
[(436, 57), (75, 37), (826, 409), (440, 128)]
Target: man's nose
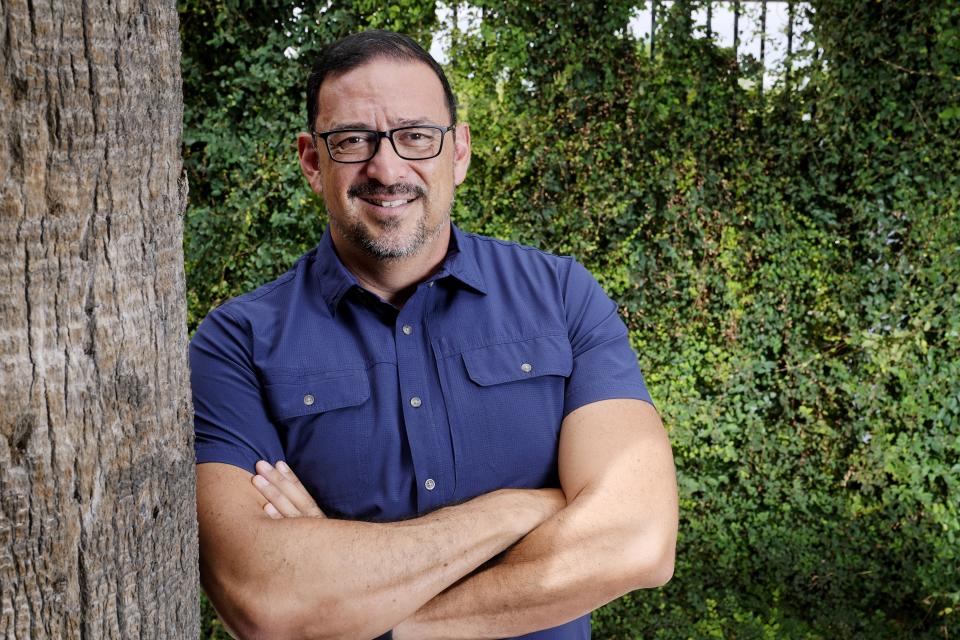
[(386, 167)]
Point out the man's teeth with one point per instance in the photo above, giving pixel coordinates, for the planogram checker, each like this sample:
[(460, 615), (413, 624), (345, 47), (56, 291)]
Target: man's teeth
[(393, 203)]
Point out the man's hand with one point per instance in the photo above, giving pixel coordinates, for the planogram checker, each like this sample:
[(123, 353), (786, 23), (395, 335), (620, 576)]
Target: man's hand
[(285, 494), (273, 576), (616, 467), (617, 534)]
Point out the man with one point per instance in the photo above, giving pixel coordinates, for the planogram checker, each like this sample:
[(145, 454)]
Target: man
[(479, 456)]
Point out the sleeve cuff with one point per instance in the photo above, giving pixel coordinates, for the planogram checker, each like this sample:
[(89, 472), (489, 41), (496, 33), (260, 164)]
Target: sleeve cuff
[(594, 393)]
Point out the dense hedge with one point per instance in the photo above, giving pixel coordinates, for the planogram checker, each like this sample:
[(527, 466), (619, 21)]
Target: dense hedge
[(787, 262)]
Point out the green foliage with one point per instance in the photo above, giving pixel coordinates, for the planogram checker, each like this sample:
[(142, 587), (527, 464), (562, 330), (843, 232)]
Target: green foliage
[(245, 64), (212, 627), (787, 263)]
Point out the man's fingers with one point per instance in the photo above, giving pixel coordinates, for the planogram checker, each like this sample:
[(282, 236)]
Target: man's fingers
[(297, 493), (275, 497), (281, 487), (272, 511)]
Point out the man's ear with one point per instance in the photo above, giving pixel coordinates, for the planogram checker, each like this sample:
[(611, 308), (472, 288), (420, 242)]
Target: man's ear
[(310, 162), (461, 152)]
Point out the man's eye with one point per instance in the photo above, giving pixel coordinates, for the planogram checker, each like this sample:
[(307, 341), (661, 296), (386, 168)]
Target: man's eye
[(416, 137)]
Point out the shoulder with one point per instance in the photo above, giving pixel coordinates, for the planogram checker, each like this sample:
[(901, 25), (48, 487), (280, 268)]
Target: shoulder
[(494, 251), (266, 302), (495, 255), (275, 293)]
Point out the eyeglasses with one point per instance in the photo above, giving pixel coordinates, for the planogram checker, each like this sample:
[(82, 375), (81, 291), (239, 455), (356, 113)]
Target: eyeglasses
[(421, 142)]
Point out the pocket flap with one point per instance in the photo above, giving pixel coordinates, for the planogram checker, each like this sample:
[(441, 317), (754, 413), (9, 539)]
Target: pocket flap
[(511, 361), (317, 393)]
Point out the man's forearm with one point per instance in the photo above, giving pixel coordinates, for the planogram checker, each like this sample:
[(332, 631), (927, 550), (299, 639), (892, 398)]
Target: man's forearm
[(558, 572), (319, 578), (618, 533)]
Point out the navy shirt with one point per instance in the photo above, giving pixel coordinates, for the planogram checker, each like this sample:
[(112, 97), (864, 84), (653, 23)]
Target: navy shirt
[(386, 414)]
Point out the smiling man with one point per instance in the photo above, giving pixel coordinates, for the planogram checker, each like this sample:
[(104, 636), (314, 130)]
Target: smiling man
[(418, 431)]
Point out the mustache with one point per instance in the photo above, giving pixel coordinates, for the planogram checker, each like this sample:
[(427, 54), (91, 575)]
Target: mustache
[(374, 188)]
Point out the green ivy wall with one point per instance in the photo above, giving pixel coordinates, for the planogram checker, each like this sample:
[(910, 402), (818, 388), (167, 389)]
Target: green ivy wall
[(787, 263)]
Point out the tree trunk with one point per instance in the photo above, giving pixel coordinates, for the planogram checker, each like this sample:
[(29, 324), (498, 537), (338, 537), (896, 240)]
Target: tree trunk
[(97, 510)]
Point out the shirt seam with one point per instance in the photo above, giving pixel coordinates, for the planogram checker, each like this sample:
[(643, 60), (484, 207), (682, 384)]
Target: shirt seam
[(264, 289), (368, 364), (517, 245), (248, 454), (591, 393), (511, 341)]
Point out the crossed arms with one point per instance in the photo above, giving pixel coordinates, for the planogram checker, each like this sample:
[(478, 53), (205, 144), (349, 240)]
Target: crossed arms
[(611, 530)]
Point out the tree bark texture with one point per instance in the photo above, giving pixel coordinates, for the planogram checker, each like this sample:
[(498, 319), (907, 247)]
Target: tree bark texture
[(97, 509)]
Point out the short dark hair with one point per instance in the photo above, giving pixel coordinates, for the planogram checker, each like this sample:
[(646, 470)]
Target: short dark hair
[(358, 49)]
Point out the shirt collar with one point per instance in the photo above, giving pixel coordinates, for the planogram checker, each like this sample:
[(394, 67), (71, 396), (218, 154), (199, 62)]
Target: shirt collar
[(461, 262), (336, 280)]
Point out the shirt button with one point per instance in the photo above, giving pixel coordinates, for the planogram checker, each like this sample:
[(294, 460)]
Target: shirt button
[(430, 284), (308, 399), (429, 484), (407, 329), (415, 402), (526, 367)]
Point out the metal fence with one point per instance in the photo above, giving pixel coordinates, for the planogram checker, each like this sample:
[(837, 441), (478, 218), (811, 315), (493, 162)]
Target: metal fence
[(768, 31)]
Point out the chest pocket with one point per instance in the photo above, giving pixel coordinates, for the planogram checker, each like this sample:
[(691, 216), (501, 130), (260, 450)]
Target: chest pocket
[(505, 404), (325, 422), (512, 361)]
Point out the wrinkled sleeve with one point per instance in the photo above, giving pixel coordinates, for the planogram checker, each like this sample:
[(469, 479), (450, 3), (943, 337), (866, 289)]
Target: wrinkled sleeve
[(604, 364), (230, 419)]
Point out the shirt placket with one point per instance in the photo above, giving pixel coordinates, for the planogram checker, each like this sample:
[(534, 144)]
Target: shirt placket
[(429, 452)]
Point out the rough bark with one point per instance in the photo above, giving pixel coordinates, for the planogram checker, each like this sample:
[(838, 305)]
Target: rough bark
[(97, 511)]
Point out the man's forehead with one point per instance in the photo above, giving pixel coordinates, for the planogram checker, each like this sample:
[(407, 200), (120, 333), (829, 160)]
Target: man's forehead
[(409, 91), (385, 61)]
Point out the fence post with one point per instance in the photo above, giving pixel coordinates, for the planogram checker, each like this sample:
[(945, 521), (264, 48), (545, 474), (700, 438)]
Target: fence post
[(763, 43), (736, 27), (789, 69), (653, 25)]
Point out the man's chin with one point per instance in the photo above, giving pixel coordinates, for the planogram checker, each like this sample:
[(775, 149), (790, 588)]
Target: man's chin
[(390, 238), (390, 244)]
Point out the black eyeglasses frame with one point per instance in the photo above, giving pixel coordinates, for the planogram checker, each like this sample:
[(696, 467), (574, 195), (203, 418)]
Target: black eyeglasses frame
[(388, 134)]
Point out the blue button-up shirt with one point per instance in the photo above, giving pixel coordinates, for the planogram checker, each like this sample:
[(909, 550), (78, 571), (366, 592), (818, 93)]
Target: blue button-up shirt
[(389, 413)]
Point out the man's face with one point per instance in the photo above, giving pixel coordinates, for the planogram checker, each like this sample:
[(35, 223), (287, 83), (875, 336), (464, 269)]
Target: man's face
[(386, 208)]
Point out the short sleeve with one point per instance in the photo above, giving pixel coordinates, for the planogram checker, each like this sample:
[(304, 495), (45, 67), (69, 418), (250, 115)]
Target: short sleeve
[(230, 421), (604, 365)]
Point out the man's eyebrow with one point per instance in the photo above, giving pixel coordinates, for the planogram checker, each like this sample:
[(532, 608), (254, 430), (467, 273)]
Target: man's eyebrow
[(402, 122), (336, 126), (410, 122)]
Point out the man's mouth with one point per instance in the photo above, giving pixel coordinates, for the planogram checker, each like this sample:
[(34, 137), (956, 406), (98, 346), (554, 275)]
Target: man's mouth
[(389, 204), (387, 197)]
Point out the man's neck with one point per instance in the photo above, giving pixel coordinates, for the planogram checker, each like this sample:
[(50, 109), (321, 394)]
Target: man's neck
[(395, 280)]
